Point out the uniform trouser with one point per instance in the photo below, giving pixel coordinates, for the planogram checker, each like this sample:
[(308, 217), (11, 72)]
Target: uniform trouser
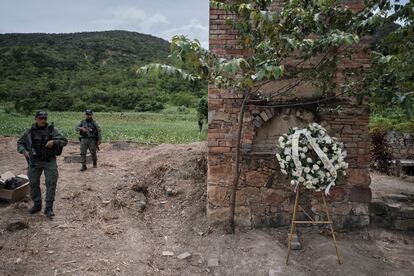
[(88, 143), (35, 170)]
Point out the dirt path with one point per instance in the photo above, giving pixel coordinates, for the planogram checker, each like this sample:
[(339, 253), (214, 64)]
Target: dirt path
[(102, 228)]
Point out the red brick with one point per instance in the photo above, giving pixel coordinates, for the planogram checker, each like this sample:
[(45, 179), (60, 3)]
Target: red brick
[(360, 194), (219, 149)]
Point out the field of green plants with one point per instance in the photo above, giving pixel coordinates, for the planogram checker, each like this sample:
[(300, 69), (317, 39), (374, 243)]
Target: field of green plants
[(168, 126)]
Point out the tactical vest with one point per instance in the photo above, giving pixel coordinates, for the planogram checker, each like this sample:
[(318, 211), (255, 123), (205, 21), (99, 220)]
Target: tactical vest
[(40, 137), (92, 130)]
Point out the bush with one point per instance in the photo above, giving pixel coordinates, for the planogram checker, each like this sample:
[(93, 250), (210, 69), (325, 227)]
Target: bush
[(184, 99), (149, 105), (26, 106), (99, 107), (79, 106), (9, 108), (60, 101), (202, 109), (183, 109)]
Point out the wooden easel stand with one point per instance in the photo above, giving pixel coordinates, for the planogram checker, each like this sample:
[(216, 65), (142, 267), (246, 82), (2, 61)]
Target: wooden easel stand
[(311, 221)]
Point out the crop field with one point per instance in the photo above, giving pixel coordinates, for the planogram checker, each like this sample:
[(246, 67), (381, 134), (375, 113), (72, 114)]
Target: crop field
[(169, 126)]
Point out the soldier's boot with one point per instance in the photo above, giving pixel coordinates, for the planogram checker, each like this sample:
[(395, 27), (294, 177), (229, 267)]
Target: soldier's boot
[(95, 164), (49, 210), (37, 207), (83, 168)]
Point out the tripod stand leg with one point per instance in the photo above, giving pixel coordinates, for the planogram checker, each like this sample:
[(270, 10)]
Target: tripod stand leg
[(293, 225), (332, 230)]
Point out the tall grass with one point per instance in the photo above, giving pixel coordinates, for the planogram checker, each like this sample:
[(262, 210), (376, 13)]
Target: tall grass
[(169, 126)]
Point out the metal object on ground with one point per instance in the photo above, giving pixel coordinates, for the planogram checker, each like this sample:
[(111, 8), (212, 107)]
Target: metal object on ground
[(18, 193)]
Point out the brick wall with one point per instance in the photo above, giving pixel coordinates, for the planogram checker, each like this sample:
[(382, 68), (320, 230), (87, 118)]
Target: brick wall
[(264, 197)]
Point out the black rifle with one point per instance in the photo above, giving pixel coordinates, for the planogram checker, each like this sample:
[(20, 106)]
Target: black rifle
[(91, 134), (31, 149)]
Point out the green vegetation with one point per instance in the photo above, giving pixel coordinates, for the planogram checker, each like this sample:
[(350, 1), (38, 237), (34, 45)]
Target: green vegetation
[(70, 72), (168, 126), (393, 120), (390, 80)]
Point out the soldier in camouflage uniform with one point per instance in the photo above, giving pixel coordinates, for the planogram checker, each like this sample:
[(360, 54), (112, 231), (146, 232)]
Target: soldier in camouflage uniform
[(90, 138), (40, 144)]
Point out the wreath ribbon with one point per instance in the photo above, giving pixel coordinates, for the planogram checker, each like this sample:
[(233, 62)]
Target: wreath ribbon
[(325, 160)]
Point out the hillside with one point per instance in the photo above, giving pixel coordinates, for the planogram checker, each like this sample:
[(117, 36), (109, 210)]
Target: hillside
[(93, 69)]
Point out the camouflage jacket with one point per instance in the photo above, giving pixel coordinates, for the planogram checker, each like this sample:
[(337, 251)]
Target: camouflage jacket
[(94, 129), (23, 144)]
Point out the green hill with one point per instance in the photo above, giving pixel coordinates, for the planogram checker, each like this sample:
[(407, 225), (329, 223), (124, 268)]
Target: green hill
[(93, 69)]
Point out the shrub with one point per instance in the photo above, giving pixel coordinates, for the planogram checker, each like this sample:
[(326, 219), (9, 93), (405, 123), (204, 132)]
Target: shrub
[(183, 109), (98, 107), (185, 99), (8, 108), (26, 106), (149, 105), (60, 101), (202, 109)]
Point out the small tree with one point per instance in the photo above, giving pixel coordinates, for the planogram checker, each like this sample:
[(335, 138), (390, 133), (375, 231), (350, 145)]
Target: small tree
[(390, 80), (302, 30), (202, 112)]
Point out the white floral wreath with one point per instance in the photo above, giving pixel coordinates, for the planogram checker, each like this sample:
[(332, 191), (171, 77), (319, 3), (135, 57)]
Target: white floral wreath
[(311, 158)]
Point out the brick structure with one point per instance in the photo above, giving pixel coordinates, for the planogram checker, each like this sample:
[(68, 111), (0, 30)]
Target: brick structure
[(264, 197)]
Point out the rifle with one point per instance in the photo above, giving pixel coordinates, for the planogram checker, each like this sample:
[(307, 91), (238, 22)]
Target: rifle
[(94, 133), (31, 149), (96, 142)]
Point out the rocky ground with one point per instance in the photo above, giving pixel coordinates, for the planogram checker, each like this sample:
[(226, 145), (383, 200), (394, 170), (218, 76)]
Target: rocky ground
[(142, 212)]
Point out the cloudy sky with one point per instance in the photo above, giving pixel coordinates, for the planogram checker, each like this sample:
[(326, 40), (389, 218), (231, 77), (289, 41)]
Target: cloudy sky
[(163, 18)]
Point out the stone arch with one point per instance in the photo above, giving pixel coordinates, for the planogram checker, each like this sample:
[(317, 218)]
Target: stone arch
[(274, 124)]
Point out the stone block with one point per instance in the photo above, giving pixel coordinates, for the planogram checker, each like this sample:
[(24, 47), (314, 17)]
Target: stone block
[(295, 243), (247, 195), (218, 196), (76, 158), (218, 216), (120, 145), (279, 219), (360, 209), (220, 116), (350, 222), (407, 212), (219, 149), (359, 177), (243, 217), (336, 194), (404, 224), (341, 208), (360, 194), (257, 122), (272, 197), (264, 116), (256, 179)]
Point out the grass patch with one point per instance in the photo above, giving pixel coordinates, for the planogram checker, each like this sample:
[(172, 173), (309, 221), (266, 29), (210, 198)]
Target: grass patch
[(391, 121), (168, 126)]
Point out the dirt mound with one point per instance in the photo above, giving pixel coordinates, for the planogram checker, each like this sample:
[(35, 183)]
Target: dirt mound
[(167, 175)]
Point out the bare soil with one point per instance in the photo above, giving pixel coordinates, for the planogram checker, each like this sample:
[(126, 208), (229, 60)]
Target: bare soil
[(118, 219)]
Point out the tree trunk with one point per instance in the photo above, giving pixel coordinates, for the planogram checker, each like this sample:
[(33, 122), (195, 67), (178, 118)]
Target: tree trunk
[(236, 174)]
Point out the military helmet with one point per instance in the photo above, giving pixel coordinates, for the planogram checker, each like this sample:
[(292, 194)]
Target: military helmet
[(88, 112), (41, 114)]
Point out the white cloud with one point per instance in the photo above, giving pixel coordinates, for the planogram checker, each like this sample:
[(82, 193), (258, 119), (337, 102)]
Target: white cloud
[(194, 30), (132, 18)]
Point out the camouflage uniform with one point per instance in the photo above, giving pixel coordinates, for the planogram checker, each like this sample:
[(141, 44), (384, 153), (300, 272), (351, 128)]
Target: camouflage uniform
[(41, 160), (88, 140)]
